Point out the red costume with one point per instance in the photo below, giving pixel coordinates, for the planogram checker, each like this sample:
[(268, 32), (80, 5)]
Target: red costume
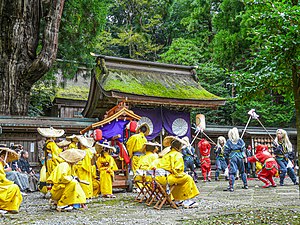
[(204, 148), (269, 168)]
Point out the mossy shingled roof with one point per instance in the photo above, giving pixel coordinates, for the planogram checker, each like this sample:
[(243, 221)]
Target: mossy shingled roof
[(73, 92), (153, 84)]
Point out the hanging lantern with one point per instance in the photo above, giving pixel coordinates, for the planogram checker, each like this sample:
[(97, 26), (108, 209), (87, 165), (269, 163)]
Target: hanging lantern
[(97, 135), (132, 126)]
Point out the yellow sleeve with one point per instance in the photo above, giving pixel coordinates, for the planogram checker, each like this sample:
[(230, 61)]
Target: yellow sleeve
[(3, 180), (61, 174)]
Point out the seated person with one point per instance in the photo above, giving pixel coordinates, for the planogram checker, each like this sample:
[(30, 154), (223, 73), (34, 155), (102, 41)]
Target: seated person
[(146, 161), (66, 190), (173, 164), (13, 173), (25, 168), (10, 195), (106, 166)]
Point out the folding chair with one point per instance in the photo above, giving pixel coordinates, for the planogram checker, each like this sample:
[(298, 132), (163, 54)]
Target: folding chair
[(159, 193), (142, 186), (165, 197)]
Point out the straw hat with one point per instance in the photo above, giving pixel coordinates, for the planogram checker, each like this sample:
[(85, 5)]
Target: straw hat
[(150, 146), (99, 147), (164, 151), (63, 143), (10, 156), (72, 155), (143, 125), (69, 138), (50, 132), (87, 142), (186, 140), (169, 139)]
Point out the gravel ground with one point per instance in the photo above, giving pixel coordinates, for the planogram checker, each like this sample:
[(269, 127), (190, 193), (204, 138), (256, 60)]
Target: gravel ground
[(253, 206)]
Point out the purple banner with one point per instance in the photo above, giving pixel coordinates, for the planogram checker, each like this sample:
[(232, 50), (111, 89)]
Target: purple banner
[(153, 118), (177, 123), (113, 128)]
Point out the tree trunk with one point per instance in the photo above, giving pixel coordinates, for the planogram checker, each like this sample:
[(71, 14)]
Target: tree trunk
[(28, 47), (296, 89)]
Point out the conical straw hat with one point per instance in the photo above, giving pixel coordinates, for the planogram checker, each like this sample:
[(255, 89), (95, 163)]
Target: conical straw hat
[(72, 155), (143, 125), (69, 138), (99, 147), (63, 143), (51, 132), (148, 145), (169, 139), (10, 155), (87, 142)]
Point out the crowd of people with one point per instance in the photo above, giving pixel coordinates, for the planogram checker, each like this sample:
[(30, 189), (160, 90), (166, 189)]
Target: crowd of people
[(78, 168)]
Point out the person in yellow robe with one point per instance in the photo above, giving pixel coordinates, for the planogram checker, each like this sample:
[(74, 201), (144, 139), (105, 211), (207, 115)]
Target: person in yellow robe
[(51, 149), (10, 194), (106, 166), (73, 140), (146, 161), (135, 144), (96, 181), (172, 163), (84, 167), (146, 164), (66, 190)]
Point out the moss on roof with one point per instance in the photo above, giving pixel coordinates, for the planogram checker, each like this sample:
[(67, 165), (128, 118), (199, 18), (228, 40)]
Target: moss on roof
[(73, 92), (154, 84)]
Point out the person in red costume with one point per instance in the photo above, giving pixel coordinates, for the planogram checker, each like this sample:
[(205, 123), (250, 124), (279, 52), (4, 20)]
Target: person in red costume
[(204, 148), (269, 168)]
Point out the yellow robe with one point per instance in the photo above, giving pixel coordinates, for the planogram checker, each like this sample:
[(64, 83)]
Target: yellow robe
[(43, 179), (106, 172), (185, 187), (96, 182), (72, 145), (10, 195), (146, 163), (65, 190), (135, 144), (84, 172), (52, 162)]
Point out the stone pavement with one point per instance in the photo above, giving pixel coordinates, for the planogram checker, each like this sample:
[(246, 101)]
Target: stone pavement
[(123, 210)]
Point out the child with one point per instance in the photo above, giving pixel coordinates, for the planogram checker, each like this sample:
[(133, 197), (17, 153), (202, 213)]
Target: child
[(269, 168), (204, 148), (221, 164), (188, 153), (106, 165)]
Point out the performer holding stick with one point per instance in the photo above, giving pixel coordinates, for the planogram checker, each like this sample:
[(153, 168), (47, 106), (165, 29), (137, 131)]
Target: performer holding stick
[(284, 154), (234, 150)]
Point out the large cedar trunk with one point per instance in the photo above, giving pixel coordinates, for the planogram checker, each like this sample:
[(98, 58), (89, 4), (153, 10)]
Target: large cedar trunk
[(28, 47), (296, 88)]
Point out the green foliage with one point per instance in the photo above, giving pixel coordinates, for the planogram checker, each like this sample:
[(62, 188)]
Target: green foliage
[(41, 96), (183, 52), (273, 28), (82, 22), (135, 29)]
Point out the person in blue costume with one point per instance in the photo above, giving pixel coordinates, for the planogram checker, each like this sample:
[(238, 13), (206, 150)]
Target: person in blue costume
[(284, 154), (188, 154), (235, 151), (221, 163)]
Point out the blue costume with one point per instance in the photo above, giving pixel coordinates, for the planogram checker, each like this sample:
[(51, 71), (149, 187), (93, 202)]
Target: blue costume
[(188, 154), (221, 163), (282, 157), (234, 151)]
